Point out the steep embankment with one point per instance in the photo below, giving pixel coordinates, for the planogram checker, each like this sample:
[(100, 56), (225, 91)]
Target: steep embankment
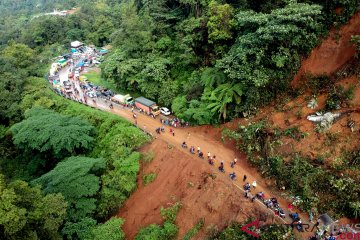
[(203, 192), (335, 51), (217, 199)]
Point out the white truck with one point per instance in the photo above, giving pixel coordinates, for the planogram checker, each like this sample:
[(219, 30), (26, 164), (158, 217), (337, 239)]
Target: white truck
[(123, 99)]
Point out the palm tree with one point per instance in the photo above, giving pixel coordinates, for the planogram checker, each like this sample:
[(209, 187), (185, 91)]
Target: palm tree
[(223, 95), (211, 77)]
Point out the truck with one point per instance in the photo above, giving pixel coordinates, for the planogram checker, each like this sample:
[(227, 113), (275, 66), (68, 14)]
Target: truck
[(148, 106), (123, 99), (67, 86)]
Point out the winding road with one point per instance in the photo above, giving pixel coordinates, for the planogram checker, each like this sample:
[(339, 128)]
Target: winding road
[(194, 136)]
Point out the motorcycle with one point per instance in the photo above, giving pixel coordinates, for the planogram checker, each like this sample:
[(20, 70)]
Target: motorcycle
[(278, 211), (192, 150)]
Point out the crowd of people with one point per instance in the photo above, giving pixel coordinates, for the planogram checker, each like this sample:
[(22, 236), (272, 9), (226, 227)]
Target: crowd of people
[(174, 122)]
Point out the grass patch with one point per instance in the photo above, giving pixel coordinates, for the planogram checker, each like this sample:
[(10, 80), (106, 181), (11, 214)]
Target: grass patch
[(148, 178), (96, 78)]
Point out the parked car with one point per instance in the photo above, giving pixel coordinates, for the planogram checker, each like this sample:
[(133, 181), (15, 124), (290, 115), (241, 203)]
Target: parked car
[(165, 111), (91, 94), (107, 93)]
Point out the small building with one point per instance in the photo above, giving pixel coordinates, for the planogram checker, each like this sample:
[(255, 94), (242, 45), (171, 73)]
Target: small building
[(76, 44)]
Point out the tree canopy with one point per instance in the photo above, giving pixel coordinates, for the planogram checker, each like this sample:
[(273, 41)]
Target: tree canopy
[(75, 178), (47, 131), (25, 212)]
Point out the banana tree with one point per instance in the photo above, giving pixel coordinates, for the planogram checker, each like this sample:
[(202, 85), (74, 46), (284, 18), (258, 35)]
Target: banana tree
[(224, 95)]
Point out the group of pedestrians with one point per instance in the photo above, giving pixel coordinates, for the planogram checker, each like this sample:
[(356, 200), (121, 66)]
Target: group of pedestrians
[(174, 122), (211, 160)]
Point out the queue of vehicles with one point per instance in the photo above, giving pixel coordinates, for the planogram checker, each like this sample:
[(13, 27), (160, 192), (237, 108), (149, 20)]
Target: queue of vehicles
[(94, 57), (145, 105)]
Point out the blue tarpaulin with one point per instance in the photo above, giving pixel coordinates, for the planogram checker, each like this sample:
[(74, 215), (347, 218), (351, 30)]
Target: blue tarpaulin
[(80, 64), (73, 50)]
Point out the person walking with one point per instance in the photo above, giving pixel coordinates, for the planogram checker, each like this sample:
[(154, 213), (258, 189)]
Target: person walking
[(209, 155), (254, 184), (244, 178), (290, 207), (316, 225), (198, 149), (246, 192)]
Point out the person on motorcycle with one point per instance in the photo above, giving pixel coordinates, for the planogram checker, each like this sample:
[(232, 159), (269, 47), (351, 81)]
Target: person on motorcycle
[(211, 161), (233, 176), (221, 167), (192, 149), (111, 106), (201, 155), (184, 145), (294, 216)]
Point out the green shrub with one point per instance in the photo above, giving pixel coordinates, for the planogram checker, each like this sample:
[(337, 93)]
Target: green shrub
[(148, 178), (168, 231), (338, 96), (193, 231), (169, 214)]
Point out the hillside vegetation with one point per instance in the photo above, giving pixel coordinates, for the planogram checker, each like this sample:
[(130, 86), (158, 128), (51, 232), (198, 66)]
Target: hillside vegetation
[(210, 61)]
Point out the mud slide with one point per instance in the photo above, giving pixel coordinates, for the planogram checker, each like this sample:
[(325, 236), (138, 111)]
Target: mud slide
[(209, 140), (335, 51), (203, 192)]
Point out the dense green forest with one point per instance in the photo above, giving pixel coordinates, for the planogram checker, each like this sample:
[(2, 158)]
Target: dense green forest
[(209, 60)]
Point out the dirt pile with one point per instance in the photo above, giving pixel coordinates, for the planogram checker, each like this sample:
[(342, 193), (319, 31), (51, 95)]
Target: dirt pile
[(335, 51), (202, 191)]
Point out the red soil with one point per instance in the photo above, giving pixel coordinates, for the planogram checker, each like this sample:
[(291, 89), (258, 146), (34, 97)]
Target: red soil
[(218, 200), (332, 53), (182, 178)]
